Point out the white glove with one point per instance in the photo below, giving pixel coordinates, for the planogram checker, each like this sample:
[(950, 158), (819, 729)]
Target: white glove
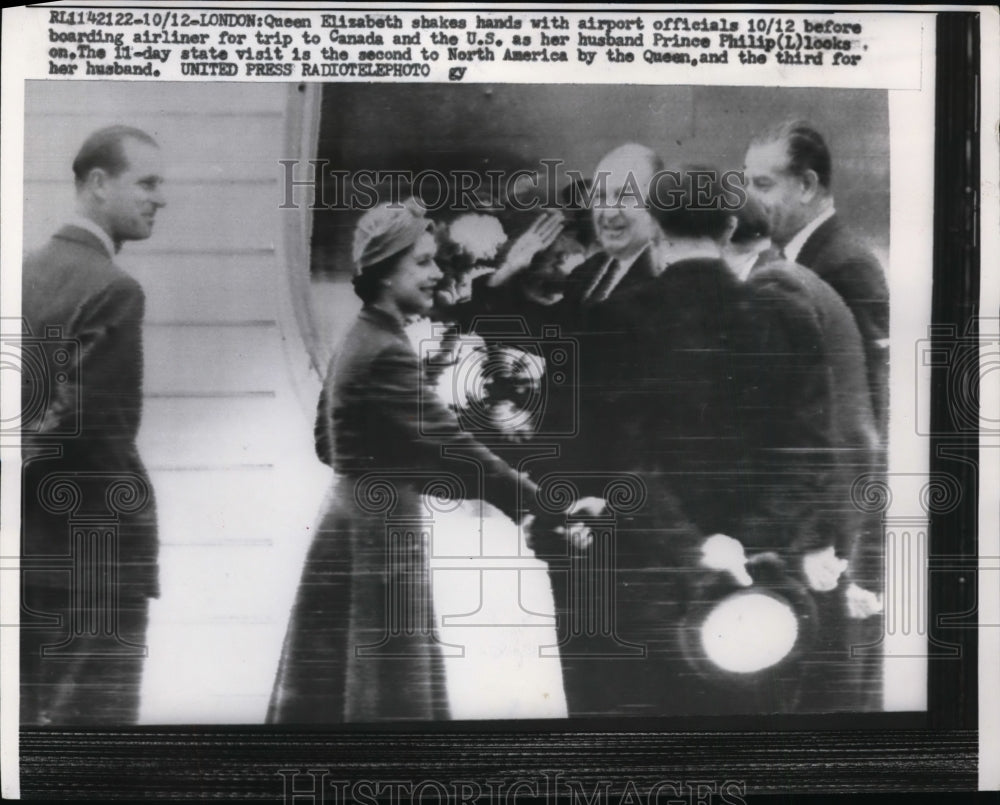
[(862, 603), (720, 552), (823, 569), (588, 507)]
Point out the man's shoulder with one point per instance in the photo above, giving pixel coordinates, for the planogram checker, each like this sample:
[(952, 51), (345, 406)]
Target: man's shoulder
[(67, 274), (684, 288), (784, 276), (74, 249), (796, 283), (835, 243)]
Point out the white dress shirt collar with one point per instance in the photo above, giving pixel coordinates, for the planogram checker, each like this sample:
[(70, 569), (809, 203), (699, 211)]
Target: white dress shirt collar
[(794, 246)]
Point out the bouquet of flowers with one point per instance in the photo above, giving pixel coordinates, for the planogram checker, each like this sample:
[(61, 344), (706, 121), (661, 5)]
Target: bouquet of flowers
[(494, 387), (468, 247)]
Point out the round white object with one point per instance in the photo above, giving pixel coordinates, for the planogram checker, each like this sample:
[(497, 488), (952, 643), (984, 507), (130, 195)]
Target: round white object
[(749, 632)]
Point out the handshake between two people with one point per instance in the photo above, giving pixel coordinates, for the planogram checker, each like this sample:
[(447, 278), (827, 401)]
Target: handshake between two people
[(549, 534), (822, 570)]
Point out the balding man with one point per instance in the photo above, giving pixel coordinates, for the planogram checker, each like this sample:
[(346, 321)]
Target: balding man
[(624, 228), (589, 644), (83, 627)]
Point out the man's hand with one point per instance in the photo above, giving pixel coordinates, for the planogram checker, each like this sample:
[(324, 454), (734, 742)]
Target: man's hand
[(823, 569), (580, 536), (540, 235), (548, 534), (862, 603), (720, 552)]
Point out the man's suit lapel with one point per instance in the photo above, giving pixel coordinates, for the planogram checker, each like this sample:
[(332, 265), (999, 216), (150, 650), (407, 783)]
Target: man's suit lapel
[(640, 271), (585, 275)]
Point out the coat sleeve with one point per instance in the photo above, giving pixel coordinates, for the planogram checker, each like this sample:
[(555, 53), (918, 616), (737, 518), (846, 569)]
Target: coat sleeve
[(791, 395), (859, 279), (432, 434)]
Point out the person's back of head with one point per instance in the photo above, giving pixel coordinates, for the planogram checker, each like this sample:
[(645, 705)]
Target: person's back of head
[(694, 203)]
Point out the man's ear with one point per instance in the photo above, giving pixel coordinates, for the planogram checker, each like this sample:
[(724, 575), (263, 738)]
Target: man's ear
[(810, 185), (97, 182)]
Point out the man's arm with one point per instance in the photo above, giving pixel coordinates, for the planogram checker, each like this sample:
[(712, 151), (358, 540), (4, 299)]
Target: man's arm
[(860, 281), (109, 364), (427, 427)]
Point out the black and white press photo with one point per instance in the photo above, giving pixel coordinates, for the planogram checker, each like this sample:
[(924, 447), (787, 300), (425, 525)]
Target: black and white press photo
[(576, 402), (362, 403)]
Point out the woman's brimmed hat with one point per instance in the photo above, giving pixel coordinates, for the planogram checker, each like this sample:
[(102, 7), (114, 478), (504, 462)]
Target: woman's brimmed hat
[(386, 230)]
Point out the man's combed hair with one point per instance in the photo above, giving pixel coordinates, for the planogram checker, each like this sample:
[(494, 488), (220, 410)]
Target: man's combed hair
[(691, 202), (104, 149), (806, 148)]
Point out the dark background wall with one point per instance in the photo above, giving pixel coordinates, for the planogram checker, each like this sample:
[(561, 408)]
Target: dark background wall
[(509, 126)]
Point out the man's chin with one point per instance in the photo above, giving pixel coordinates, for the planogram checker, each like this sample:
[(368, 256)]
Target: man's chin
[(614, 243)]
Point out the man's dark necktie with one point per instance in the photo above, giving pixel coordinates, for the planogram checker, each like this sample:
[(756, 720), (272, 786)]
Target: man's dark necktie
[(603, 288)]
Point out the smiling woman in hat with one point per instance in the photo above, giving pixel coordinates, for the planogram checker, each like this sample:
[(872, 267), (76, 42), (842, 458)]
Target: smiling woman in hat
[(360, 645)]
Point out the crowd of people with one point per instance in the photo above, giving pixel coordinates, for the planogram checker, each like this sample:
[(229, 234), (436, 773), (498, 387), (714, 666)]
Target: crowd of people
[(731, 372), (722, 384)]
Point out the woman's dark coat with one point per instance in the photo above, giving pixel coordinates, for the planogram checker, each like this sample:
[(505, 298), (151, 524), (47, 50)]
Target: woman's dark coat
[(360, 645)]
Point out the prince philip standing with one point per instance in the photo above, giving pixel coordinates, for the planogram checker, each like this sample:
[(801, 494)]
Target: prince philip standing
[(89, 541)]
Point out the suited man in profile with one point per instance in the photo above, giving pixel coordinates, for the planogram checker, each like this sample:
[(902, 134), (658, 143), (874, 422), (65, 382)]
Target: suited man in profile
[(789, 171), (83, 625)]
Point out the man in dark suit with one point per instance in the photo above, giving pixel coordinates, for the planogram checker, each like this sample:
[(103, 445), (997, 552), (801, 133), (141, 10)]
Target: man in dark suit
[(788, 170), (591, 458), (627, 237), (818, 435), (89, 551), (591, 651), (746, 403)]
